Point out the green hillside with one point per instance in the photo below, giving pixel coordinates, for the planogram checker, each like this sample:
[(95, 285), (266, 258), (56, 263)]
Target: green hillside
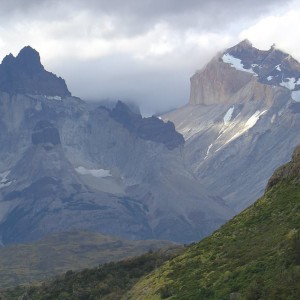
[(110, 281), (58, 253), (254, 256)]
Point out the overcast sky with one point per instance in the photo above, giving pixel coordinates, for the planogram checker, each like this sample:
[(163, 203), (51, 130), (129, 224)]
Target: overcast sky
[(141, 50)]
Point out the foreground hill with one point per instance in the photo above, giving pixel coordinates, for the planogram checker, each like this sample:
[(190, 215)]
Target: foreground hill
[(256, 255), (60, 252)]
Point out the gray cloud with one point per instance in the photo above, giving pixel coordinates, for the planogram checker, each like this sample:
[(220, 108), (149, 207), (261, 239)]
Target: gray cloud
[(134, 17), (143, 50)]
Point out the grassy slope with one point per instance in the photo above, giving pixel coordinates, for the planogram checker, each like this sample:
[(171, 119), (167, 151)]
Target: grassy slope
[(57, 253), (107, 282), (254, 256)]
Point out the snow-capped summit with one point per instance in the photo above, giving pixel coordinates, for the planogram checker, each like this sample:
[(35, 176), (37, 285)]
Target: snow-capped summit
[(273, 67), (218, 81)]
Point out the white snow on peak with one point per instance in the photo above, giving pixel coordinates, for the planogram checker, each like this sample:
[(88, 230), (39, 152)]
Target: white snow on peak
[(296, 96), (270, 78), (235, 63), (100, 173), (289, 83), (228, 115), (56, 98), (4, 182), (278, 67)]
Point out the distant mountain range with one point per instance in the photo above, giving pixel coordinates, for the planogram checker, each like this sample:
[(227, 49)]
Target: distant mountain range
[(65, 165)]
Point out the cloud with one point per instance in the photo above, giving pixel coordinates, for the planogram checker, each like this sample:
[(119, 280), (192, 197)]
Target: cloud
[(142, 50), (280, 28)]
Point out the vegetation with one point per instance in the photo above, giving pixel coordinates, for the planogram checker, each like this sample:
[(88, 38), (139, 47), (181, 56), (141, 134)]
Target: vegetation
[(109, 281), (57, 253), (254, 256)]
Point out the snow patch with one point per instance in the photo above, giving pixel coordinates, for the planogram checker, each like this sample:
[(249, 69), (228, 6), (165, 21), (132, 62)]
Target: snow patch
[(296, 96), (208, 150), (269, 78), (278, 68), (228, 115), (273, 119), (4, 182), (253, 119), (100, 173), (235, 63), (249, 124), (56, 98), (289, 83)]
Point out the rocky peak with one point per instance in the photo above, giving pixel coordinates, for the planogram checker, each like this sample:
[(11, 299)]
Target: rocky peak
[(29, 60), (241, 65), (273, 67), (24, 74), (152, 128)]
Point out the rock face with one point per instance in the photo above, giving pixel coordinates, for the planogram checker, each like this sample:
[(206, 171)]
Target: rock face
[(44, 133), (152, 129), (241, 122), (25, 74), (65, 165)]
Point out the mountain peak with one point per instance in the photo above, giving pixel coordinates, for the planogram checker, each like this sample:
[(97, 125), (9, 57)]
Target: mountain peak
[(244, 44), (29, 59), (232, 70), (24, 74)]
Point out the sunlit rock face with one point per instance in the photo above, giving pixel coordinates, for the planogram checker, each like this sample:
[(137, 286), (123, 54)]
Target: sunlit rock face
[(241, 121)]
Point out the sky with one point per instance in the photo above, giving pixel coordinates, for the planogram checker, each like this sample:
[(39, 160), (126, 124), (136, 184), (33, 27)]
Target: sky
[(143, 51)]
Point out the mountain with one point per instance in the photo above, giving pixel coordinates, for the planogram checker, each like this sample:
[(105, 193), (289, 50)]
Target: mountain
[(25, 74), (66, 165), (57, 253), (256, 255), (241, 121)]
